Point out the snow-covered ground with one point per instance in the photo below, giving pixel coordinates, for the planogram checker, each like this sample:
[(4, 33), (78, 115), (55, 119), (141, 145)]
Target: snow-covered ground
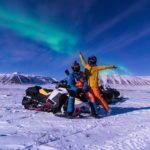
[(127, 128)]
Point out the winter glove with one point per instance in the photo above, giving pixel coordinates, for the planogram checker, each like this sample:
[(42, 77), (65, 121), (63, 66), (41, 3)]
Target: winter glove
[(85, 90), (71, 93), (67, 72), (115, 67), (79, 52), (80, 93)]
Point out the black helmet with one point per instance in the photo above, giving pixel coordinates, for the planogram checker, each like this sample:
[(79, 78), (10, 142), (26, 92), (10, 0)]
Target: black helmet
[(92, 60), (75, 66)]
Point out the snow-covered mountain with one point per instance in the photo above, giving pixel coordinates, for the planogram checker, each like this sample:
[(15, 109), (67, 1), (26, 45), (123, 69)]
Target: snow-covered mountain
[(105, 79), (17, 78), (116, 79)]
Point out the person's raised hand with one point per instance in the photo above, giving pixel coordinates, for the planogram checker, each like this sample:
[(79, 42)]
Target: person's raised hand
[(115, 67), (80, 52)]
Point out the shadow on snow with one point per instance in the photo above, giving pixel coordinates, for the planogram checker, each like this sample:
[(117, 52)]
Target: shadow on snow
[(121, 110)]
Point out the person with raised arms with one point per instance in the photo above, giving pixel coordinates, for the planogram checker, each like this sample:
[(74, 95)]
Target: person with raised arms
[(92, 73)]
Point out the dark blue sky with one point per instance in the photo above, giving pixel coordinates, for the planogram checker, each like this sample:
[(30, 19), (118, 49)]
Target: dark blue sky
[(43, 36)]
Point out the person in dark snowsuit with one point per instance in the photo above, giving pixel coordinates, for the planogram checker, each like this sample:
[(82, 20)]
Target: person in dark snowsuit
[(79, 86)]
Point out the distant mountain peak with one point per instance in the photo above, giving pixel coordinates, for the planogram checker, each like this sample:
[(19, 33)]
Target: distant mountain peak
[(18, 78), (16, 73), (116, 79)]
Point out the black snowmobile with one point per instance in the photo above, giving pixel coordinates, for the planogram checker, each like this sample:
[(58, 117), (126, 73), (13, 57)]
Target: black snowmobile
[(51, 100), (111, 95)]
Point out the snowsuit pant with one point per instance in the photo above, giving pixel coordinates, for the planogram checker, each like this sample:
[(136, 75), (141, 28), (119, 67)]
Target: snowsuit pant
[(95, 91), (90, 99), (70, 107)]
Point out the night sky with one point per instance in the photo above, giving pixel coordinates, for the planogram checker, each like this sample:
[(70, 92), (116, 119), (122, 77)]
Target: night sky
[(43, 36)]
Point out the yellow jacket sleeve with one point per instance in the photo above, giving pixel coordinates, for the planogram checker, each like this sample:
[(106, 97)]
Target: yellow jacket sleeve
[(104, 67), (84, 62)]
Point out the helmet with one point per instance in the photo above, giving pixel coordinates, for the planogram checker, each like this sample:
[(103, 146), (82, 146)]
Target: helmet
[(75, 66), (92, 60)]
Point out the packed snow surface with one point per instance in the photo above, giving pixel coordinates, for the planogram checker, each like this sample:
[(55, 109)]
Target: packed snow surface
[(127, 128)]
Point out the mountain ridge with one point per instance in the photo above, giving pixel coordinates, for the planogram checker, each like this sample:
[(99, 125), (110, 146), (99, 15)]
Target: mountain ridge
[(104, 79), (116, 79), (18, 78)]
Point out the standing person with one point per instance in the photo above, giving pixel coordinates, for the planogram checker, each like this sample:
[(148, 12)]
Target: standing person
[(78, 84), (92, 72)]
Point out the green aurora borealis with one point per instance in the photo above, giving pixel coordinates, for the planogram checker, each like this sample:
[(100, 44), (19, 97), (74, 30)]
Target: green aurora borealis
[(44, 36), (55, 37)]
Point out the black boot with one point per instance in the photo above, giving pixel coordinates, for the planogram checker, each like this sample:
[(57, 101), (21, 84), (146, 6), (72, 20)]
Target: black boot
[(69, 115), (93, 111), (96, 116)]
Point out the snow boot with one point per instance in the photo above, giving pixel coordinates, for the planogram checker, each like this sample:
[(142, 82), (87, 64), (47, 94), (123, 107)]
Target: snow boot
[(94, 109), (108, 112)]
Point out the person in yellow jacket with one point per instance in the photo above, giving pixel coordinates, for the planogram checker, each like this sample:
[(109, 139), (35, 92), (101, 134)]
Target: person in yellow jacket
[(92, 72)]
